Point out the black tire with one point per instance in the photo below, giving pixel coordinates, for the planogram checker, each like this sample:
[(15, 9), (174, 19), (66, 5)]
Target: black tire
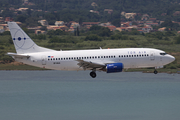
[(93, 74), (155, 72)]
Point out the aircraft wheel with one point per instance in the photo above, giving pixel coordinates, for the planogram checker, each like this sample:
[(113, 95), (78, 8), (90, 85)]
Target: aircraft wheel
[(93, 74), (155, 71)]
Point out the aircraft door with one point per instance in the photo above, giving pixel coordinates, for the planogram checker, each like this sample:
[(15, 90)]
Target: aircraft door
[(152, 57), (43, 60)]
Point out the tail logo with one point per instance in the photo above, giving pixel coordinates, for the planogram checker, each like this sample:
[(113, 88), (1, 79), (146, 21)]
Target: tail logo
[(21, 40)]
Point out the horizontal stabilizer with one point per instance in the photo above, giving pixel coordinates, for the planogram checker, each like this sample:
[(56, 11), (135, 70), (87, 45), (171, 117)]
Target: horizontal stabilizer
[(17, 55)]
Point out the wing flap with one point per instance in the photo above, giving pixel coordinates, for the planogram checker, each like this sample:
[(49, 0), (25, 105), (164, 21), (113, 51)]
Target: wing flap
[(89, 65)]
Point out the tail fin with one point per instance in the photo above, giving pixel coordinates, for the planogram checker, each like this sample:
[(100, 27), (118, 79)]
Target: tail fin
[(22, 42)]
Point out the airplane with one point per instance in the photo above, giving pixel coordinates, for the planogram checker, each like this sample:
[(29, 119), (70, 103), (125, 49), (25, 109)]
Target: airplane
[(107, 60)]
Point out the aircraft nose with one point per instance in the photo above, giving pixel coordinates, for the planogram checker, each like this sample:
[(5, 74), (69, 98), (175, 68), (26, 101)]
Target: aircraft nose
[(171, 58)]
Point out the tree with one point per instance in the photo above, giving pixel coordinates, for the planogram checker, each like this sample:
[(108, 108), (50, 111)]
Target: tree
[(116, 22), (116, 37), (177, 39), (29, 12), (77, 31), (21, 18), (31, 22), (56, 32), (104, 32), (95, 28), (44, 28), (93, 37), (170, 24), (134, 32)]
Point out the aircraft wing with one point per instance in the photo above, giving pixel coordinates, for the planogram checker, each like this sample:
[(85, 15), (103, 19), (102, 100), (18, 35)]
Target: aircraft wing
[(17, 55), (90, 65)]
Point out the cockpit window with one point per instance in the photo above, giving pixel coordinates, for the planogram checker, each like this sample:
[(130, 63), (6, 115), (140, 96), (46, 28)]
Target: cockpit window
[(163, 53)]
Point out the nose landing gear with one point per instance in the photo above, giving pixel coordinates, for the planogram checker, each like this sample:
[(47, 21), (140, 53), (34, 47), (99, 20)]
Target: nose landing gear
[(93, 74)]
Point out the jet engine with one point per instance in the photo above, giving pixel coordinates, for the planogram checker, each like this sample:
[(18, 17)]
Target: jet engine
[(114, 67)]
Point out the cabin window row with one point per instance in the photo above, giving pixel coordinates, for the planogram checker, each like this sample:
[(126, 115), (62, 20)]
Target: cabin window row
[(95, 57), (145, 55), (80, 58)]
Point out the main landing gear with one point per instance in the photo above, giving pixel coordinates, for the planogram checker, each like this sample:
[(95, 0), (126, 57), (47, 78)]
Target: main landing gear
[(93, 74), (155, 71)]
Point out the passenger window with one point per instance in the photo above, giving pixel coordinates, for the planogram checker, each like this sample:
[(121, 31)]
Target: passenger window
[(142, 55), (101, 56), (124, 56), (139, 55), (98, 56), (95, 57), (114, 56), (134, 55), (129, 55), (147, 55)]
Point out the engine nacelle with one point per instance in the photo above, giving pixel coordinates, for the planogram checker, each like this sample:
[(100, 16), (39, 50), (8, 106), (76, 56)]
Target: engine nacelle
[(114, 67)]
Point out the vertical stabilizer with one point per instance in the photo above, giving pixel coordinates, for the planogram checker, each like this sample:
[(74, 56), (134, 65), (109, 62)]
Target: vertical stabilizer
[(22, 42)]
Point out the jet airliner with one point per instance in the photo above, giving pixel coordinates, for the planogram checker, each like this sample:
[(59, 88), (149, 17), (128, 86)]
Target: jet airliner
[(107, 60)]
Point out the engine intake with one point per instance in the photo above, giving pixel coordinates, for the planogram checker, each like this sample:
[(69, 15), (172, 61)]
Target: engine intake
[(114, 67)]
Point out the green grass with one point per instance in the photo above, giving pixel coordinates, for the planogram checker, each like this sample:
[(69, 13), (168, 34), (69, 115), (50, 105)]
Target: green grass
[(19, 67)]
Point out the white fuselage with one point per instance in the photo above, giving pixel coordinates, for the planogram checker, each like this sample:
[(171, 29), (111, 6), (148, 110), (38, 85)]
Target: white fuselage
[(67, 60)]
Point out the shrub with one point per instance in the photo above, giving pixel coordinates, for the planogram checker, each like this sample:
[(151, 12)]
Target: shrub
[(177, 39), (124, 37), (116, 37), (56, 40), (93, 37)]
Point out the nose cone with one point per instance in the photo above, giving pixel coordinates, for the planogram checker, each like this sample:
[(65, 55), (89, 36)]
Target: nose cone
[(171, 58)]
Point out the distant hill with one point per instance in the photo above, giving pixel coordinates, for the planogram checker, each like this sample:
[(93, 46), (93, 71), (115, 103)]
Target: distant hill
[(97, 10), (155, 8)]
